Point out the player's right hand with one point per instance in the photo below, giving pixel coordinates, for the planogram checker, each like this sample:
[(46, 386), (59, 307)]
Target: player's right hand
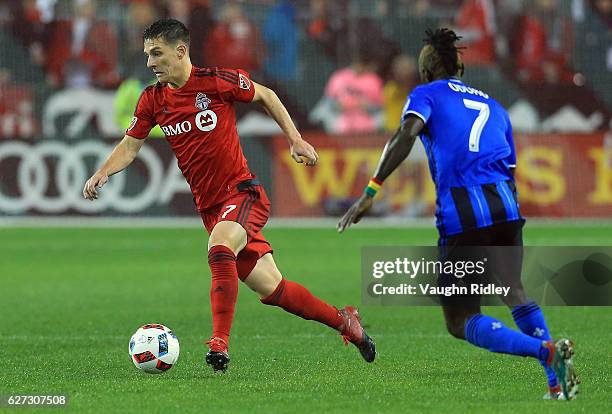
[(303, 152), (355, 213), (90, 191)]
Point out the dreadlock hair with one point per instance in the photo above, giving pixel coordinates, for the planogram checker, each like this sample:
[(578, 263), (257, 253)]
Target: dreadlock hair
[(444, 57), (170, 30)]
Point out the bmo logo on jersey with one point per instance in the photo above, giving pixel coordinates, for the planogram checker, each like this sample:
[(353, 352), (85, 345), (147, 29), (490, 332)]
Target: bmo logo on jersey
[(205, 121)]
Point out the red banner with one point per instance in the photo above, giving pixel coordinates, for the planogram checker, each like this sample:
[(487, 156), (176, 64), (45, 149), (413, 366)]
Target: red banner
[(557, 176)]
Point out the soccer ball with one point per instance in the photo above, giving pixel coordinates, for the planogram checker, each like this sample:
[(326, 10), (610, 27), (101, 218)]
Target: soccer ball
[(154, 348)]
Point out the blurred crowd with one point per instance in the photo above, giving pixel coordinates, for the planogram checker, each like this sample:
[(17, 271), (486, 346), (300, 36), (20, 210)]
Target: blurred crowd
[(77, 44), (529, 42)]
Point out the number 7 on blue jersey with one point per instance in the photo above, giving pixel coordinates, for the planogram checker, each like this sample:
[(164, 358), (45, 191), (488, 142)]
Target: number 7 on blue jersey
[(479, 122)]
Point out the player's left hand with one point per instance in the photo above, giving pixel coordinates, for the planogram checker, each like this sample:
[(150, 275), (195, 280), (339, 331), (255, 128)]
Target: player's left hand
[(303, 152), (355, 213)]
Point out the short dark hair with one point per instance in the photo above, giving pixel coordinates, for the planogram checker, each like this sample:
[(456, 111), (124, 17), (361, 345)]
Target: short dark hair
[(170, 30), (446, 56)]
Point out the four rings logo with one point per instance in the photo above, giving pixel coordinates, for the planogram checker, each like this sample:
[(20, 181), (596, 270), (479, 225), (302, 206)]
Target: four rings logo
[(49, 177)]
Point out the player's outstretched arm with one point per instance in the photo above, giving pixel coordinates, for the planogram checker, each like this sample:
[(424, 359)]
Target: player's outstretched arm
[(395, 151), (301, 151), (122, 156)]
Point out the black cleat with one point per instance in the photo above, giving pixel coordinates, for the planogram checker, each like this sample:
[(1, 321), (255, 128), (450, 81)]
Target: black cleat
[(352, 331), (218, 360), (217, 356)]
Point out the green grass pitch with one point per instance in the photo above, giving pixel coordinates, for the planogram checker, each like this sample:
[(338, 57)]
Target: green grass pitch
[(71, 298)]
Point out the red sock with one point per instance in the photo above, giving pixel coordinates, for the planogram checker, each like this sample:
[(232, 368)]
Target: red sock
[(223, 291), (296, 299)]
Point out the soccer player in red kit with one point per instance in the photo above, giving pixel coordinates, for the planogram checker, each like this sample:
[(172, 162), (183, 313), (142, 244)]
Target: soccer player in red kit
[(195, 109)]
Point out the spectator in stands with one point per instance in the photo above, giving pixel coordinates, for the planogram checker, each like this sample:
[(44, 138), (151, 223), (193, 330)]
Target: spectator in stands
[(141, 13), (195, 14), (29, 29), (6, 15), (16, 107), (508, 14), (544, 45), (82, 52), (563, 98), (323, 19), (404, 78), (356, 97), (280, 35), (333, 29), (475, 23), (417, 8), (604, 9), (235, 42), (126, 100), (429, 8), (136, 75)]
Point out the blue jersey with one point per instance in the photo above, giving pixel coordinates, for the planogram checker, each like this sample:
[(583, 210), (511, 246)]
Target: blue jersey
[(469, 145)]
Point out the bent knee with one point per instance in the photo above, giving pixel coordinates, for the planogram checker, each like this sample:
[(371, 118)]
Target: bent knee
[(456, 328), (265, 277), (515, 297), (265, 288)]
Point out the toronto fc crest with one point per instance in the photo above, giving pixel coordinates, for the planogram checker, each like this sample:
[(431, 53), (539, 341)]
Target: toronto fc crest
[(202, 101)]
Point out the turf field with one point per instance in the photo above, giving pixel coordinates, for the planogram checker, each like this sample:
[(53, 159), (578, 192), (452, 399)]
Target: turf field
[(71, 298)]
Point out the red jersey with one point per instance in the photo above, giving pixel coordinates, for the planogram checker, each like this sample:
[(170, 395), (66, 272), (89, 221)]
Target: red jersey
[(199, 122)]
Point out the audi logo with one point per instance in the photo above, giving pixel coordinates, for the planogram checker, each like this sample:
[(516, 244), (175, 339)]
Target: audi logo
[(33, 179)]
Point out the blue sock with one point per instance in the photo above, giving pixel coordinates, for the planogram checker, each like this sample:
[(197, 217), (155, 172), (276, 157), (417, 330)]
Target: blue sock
[(490, 333), (530, 320)]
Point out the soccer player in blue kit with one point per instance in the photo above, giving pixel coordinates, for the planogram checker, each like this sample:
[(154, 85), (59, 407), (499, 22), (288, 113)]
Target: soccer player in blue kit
[(468, 140)]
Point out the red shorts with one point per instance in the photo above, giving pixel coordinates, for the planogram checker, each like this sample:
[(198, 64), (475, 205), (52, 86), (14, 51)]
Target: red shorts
[(249, 208)]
